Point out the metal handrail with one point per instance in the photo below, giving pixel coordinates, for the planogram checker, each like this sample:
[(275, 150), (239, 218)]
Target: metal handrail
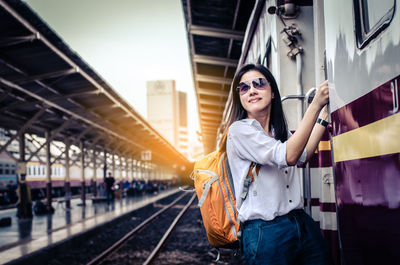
[(309, 92), (292, 97)]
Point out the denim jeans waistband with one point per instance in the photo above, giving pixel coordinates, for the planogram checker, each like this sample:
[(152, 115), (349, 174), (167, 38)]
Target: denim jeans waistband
[(277, 218)]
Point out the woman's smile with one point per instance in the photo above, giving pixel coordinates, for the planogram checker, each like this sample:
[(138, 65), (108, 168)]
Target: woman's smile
[(254, 100)]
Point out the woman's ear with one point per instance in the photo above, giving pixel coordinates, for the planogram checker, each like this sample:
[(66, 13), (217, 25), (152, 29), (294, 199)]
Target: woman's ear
[(272, 95)]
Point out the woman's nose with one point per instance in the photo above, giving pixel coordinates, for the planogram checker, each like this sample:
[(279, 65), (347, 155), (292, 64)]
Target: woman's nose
[(252, 90)]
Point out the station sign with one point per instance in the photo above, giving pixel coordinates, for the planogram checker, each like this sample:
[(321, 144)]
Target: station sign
[(21, 168)]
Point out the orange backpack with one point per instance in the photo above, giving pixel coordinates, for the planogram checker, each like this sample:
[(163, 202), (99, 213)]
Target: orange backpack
[(216, 194)]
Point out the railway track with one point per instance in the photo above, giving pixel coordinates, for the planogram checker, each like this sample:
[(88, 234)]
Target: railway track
[(142, 244)]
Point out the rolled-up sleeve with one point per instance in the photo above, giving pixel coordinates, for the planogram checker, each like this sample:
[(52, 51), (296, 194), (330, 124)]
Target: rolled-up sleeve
[(251, 142), (302, 158)]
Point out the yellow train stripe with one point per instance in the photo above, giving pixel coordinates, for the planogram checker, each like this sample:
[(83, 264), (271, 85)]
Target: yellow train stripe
[(43, 178), (324, 146), (375, 139)]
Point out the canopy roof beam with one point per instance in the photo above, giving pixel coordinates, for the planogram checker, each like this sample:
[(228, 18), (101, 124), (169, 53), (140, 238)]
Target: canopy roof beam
[(216, 32), (46, 76), (213, 79), (9, 41), (214, 60), (212, 92)]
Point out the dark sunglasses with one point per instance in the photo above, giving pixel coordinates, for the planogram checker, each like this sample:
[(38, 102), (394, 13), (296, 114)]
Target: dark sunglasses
[(258, 83)]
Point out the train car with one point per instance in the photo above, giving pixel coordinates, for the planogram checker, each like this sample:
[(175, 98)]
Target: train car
[(8, 172), (363, 66), (351, 186), (36, 177)]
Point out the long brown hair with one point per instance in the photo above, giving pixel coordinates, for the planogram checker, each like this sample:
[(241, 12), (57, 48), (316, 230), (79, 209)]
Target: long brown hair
[(237, 112)]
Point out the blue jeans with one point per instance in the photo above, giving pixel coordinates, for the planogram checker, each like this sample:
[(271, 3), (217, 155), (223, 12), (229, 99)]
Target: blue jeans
[(293, 238)]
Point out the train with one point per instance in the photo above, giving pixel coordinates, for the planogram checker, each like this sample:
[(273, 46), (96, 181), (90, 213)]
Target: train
[(36, 178), (137, 183), (351, 186)]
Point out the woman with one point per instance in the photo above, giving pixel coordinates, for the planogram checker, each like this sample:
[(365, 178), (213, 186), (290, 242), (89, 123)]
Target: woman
[(276, 230)]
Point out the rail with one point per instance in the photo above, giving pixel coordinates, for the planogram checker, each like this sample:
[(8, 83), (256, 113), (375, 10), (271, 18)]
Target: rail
[(112, 249), (158, 247)]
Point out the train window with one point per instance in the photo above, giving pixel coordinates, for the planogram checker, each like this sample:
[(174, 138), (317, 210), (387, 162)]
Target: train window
[(371, 18), (6, 171), (29, 171)]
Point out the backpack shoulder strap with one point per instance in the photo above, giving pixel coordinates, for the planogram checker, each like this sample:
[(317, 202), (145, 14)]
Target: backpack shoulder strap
[(229, 176), (252, 176)]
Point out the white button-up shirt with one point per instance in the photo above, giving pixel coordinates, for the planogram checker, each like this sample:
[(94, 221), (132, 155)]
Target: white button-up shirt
[(278, 185)]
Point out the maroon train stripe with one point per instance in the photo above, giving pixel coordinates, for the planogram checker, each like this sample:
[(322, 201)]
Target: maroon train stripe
[(331, 237), (327, 207), (372, 181), (314, 201), (325, 136), (321, 159), (371, 107), (323, 206), (36, 184)]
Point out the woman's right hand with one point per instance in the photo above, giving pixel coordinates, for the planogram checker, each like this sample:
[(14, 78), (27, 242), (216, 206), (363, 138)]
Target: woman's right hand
[(322, 96), (296, 144)]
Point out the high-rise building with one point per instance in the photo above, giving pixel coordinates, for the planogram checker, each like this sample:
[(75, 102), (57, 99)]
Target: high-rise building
[(167, 112)]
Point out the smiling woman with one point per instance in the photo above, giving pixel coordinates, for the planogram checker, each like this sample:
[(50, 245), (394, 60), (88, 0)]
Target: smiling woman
[(272, 208)]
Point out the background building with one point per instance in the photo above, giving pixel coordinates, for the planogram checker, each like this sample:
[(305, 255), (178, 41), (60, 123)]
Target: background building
[(183, 140), (167, 112)]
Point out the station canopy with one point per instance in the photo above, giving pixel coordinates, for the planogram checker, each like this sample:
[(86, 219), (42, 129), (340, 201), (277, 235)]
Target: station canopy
[(46, 87), (216, 30)]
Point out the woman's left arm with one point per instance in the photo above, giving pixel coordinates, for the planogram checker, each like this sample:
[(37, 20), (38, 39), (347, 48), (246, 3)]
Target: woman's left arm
[(316, 134)]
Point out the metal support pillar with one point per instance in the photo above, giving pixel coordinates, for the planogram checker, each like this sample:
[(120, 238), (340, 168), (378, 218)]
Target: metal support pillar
[(148, 171), (49, 207), (113, 165), (120, 176), (139, 169), (83, 184), (124, 168), (24, 207), (131, 169), (127, 169), (142, 170), (105, 165), (94, 159), (135, 173), (67, 175)]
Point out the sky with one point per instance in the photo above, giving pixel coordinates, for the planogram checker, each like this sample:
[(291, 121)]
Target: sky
[(127, 42)]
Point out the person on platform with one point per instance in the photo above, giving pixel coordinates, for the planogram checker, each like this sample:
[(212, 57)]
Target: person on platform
[(109, 187), (275, 228)]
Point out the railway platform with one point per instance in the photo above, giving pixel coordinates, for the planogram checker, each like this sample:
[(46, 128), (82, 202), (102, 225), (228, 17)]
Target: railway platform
[(26, 236)]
